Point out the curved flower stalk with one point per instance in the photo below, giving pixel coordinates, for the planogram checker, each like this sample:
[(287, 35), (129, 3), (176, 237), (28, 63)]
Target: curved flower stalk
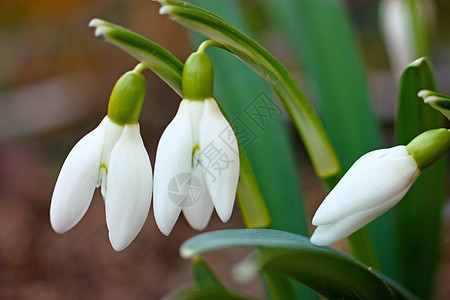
[(197, 160), (114, 157), (374, 184)]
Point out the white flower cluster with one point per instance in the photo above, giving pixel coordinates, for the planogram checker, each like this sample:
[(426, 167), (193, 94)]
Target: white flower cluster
[(196, 170)]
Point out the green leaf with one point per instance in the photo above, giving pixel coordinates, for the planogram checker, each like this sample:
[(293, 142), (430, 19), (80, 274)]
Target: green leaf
[(194, 293), (204, 276), (418, 221), (169, 68), (262, 62), (328, 271), (152, 55), (254, 213), (421, 24), (312, 28), (413, 116), (208, 286), (438, 101), (279, 287), (338, 82)]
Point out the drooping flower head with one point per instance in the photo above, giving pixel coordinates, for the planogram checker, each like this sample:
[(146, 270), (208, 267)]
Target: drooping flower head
[(374, 184), (197, 160), (112, 156)]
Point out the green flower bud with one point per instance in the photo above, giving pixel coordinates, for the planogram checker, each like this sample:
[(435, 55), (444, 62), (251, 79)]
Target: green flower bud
[(198, 77), (127, 97), (429, 146)]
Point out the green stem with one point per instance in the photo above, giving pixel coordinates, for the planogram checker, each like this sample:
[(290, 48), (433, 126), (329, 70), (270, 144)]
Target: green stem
[(139, 68), (210, 43)]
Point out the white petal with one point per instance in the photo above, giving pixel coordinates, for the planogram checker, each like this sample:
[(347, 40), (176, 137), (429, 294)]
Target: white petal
[(129, 192), (375, 180), (325, 235), (113, 132), (172, 166), (195, 116), (77, 181), (219, 158), (333, 232), (200, 207)]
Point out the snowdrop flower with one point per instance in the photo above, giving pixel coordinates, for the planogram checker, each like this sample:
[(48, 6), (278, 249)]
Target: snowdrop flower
[(197, 159), (374, 184), (112, 156)]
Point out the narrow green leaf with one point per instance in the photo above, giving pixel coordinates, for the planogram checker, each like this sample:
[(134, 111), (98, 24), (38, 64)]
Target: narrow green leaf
[(363, 249), (328, 271), (169, 68), (262, 62), (413, 116), (363, 283), (279, 286), (254, 213), (194, 293), (338, 82), (400, 291), (421, 26), (203, 275), (438, 101), (418, 221), (152, 55)]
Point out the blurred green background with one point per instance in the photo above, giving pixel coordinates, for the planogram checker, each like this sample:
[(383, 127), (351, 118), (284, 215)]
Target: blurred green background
[(55, 81)]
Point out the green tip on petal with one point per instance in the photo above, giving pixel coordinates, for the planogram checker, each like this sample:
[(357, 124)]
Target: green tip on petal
[(127, 97), (429, 146), (198, 77)]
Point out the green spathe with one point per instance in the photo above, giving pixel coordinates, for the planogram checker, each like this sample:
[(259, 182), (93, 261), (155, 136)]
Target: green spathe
[(198, 77), (127, 97), (429, 146)]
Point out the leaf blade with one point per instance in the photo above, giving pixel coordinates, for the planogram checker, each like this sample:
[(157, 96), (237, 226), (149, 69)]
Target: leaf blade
[(418, 247), (204, 276), (324, 269), (194, 293)]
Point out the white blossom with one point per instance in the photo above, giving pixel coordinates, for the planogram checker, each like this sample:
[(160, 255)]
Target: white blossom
[(374, 184), (196, 168), (114, 157)]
